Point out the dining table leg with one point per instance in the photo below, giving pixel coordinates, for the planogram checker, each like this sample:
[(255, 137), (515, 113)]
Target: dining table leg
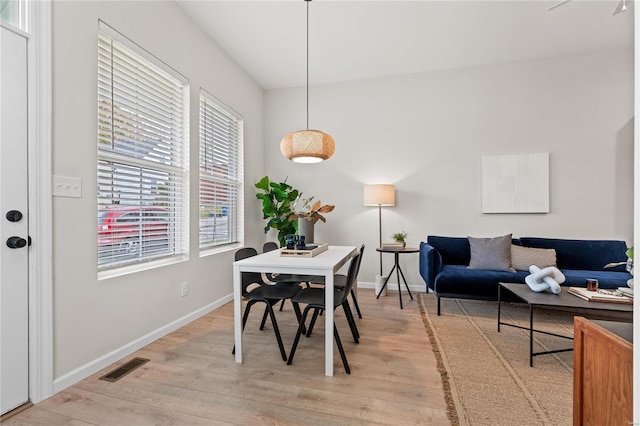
[(328, 325), (237, 312)]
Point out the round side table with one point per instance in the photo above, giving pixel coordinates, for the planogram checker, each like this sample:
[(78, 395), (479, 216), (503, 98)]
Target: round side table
[(396, 266)]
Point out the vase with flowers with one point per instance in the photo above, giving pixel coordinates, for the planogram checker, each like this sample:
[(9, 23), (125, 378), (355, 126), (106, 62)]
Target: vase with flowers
[(307, 213)]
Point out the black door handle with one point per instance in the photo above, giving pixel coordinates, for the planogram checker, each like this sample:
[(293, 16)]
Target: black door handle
[(16, 242), (14, 216)]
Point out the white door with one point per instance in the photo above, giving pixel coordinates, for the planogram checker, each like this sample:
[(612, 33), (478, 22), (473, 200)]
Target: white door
[(14, 301)]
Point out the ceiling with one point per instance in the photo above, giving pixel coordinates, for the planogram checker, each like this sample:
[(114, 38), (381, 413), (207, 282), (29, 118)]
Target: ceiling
[(354, 40)]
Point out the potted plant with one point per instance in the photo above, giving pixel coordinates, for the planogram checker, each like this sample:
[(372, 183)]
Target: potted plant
[(400, 237), (628, 263), (276, 206)]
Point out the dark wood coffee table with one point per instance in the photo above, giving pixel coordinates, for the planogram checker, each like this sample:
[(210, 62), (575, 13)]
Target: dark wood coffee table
[(563, 301)]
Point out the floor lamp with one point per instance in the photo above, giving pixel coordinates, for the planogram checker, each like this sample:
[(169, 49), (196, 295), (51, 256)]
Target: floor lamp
[(380, 195)]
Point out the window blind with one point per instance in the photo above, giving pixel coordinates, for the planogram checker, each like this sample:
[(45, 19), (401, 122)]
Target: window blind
[(142, 162), (220, 173)]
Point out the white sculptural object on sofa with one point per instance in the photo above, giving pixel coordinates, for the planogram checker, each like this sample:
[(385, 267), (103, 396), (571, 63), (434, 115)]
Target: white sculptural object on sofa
[(542, 279)]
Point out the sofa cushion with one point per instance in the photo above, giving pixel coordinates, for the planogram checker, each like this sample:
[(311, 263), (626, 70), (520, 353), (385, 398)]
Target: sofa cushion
[(523, 257), (590, 255), (454, 250), (458, 279), (607, 280), (491, 253)]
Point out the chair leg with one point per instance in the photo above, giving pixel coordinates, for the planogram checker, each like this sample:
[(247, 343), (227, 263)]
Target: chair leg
[(282, 305), (277, 331), (298, 333), (341, 349), (313, 321), (351, 321), (264, 318), (355, 303), (296, 309), (250, 303)]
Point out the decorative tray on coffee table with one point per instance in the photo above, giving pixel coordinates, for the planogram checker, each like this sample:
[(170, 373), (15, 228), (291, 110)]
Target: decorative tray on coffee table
[(310, 250)]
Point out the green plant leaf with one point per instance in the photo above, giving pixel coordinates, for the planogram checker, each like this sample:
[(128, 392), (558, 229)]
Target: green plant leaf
[(263, 196), (268, 209), (263, 184), (285, 207), (280, 194), (399, 236)]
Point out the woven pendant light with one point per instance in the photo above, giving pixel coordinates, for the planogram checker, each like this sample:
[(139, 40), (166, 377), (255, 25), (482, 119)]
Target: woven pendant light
[(307, 146)]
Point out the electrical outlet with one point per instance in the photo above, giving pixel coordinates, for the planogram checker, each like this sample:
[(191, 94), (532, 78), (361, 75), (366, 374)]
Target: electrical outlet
[(184, 289)]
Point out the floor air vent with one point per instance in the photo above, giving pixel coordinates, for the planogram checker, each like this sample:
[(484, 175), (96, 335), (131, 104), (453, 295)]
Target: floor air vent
[(123, 370)]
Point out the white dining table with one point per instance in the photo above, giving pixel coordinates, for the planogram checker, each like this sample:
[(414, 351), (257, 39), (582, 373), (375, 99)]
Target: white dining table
[(326, 264)]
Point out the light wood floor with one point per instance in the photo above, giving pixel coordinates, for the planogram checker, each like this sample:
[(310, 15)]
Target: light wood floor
[(192, 378)]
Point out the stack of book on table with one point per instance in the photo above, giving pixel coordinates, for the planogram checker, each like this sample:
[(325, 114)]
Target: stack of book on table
[(393, 246), (309, 250), (610, 296), (627, 291)]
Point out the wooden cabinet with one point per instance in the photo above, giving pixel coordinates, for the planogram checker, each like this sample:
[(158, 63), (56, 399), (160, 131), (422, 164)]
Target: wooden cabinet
[(602, 372)]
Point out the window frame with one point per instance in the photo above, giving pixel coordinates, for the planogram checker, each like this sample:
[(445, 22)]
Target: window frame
[(233, 213), (20, 8), (136, 155)]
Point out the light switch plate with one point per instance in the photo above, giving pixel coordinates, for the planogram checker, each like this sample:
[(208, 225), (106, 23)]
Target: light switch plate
[(64, 186)]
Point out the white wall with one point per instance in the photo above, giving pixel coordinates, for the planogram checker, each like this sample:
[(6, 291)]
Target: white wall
[(91, 317), (426, 133)]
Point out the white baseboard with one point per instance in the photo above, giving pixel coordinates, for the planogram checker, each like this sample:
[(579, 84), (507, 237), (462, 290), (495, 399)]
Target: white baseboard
[(392, 286), (106, 360)]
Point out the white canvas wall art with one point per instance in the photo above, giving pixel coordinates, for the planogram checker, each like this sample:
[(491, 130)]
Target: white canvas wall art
[(515, 183)]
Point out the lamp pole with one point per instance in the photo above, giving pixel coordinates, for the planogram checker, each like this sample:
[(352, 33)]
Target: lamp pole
[(380, 230)]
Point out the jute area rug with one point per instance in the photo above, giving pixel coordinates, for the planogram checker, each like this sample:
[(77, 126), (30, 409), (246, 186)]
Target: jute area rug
[(486, 374)]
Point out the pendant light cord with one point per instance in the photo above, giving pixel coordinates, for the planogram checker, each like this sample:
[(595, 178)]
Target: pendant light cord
[(307, 1)]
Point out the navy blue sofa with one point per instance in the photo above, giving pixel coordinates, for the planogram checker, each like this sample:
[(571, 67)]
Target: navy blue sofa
[(444, 261)]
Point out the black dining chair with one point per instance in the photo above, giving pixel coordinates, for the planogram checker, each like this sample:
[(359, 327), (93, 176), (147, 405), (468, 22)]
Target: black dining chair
[(270, 246), (268, 294), (340, 280), (314, 299)]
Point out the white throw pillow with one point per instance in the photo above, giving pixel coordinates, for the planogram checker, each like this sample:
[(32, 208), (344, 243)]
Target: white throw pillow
[(523, 257)]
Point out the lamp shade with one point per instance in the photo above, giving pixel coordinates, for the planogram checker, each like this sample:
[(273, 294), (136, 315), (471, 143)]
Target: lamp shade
[(307, 146), (379, 195)]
